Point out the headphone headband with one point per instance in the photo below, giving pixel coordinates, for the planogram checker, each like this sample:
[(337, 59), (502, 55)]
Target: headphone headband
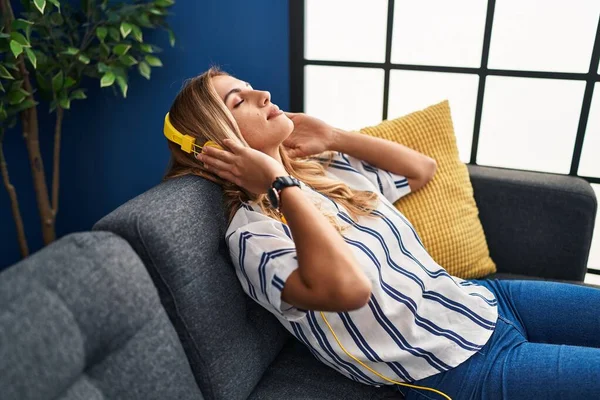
[(186, 142)]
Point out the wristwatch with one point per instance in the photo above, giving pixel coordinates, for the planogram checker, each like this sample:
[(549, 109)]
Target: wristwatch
[(274, 192)]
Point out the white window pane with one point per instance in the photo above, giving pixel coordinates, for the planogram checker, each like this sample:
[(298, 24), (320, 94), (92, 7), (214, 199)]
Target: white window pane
[(438, 32), (347, 98), (529, 123), (594, 260), (544, 35), (592, 278), (345, 30), (414, 90), (589, 164)]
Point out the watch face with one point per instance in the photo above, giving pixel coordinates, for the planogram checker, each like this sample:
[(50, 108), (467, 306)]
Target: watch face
[(273, 197)]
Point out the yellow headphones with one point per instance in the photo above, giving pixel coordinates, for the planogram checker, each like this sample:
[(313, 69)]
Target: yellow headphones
[(187, 142)]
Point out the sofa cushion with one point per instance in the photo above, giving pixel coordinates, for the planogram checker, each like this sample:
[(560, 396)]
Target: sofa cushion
[(178, 228), (81, 319), (297, 375)]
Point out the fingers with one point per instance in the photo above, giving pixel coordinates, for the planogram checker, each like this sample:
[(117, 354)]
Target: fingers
[(233, 145), (212, 162), (223, 174), (223, 155)]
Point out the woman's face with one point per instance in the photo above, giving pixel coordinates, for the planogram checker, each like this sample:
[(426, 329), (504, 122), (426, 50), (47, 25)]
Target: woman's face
[(254, 113)]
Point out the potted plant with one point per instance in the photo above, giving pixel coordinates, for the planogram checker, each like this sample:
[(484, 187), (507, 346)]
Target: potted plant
[(49, 52)]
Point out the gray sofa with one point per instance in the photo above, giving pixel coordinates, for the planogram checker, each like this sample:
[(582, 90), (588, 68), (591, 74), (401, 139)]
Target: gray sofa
[(80, 317)]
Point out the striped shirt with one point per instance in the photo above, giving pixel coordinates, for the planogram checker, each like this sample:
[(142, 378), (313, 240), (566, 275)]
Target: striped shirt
[(419, 321)]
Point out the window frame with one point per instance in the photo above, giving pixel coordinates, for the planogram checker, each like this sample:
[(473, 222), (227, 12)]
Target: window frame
[(298, 62)]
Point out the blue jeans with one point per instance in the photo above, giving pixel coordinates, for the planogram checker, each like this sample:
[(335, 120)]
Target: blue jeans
[(546, 345)]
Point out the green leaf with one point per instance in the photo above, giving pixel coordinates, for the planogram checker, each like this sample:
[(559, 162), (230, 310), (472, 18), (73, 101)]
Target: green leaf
[(114, 33), (65, 103), (57, 81), (69, 82), (41, 80), (153, 61), (40, 5), (2, 87), (146, 48), (16, 48), (53, 105), (144, 69), (164, 3), (101, 32), (28, 103), (70, 51), (143, 20), (31, 56), (121, 49), (137, 33), (84, 59), (56, 4), (102, 68), (108, 79), (16, 85), (4, 35), (19, 38), (20, 24), (104, 50), (128, 60), (78, 94), (123, 85), (171, 37), (4, 73), (126, 29), (16, 97), (156, 11), (3, 115)]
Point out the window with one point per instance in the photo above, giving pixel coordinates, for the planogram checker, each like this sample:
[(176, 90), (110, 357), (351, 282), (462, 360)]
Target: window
[(521, 75)]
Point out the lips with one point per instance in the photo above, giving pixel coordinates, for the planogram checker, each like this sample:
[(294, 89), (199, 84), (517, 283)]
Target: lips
[(275, 111)]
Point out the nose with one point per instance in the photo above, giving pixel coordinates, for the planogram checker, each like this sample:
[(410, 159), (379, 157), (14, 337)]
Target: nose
[(265, 97)]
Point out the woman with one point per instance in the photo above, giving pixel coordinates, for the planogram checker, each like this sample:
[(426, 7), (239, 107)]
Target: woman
[(347, 274)]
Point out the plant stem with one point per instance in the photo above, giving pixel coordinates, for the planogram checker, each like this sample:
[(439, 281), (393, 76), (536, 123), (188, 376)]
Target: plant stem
[(14, 201), (56, 167), (29, 122)]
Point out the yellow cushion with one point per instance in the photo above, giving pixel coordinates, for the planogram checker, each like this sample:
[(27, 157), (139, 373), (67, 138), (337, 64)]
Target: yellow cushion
[(444, 211)]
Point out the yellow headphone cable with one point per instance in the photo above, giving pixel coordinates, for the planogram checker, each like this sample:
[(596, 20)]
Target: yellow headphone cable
[(375, 372)]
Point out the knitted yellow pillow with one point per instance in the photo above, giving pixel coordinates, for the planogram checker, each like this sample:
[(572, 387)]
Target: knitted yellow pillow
[(443, 212)]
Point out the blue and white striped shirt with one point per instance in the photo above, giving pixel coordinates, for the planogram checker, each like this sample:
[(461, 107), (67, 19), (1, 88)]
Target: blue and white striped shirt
[(419, 320)]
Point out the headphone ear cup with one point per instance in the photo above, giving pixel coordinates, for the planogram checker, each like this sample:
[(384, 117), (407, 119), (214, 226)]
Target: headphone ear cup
[(210, 143)]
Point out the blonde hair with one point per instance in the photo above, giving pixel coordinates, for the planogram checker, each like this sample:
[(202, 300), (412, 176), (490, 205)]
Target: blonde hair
[(198, 111)]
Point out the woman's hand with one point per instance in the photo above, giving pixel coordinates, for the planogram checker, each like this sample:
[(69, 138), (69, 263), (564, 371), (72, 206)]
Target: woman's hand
[(244, 166), (310, 136)]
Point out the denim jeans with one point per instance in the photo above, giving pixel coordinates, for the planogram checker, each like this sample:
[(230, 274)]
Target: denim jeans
[(546, 345)]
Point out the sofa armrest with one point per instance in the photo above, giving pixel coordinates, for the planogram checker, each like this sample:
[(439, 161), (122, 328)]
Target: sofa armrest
[(81, 319), (536, 224)]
